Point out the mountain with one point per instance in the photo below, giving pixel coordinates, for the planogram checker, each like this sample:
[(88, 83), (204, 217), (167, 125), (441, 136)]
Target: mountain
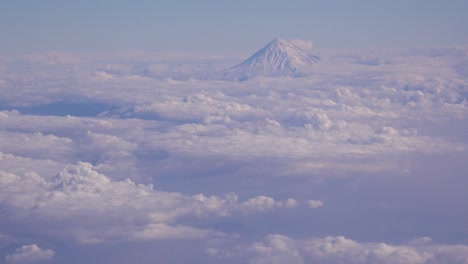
[(277, 58)]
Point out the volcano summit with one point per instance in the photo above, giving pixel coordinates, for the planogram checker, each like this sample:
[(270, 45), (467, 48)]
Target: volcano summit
[(277, 58)]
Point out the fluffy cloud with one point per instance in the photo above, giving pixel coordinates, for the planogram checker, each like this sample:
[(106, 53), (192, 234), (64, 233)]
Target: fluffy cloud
[(262, 203), (89, 137), (315, 203), (94, 209), (30, 254), (283, 249)]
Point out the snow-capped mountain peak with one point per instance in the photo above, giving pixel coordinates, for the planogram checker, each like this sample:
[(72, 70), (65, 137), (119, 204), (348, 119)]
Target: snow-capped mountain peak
[(279, 55), (277, 58)]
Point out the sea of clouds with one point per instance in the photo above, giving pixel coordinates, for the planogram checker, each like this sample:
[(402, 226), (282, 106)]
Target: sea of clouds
[(139, 157)]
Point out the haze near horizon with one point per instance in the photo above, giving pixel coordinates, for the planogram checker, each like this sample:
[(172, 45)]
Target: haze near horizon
[(216, 27)]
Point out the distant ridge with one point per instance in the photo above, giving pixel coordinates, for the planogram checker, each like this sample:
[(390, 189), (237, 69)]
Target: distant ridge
[(277, 58)]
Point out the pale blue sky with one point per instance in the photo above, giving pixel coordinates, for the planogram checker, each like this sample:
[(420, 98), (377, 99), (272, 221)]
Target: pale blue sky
[(217, 26)]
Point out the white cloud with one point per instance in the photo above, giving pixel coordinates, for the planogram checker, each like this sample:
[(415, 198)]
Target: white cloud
[(263, 203), (315, 203), (30, 254), (378, 114), (92, 208), (283, 249), (164, 231)]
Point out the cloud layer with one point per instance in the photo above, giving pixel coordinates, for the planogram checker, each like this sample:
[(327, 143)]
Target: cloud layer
[(95, 209), (283, 249), (139, 153)]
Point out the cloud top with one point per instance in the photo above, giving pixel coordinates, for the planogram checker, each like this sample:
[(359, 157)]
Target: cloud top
[(30, 254)]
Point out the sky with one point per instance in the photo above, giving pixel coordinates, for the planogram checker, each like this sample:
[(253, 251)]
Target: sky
[(227, 26)]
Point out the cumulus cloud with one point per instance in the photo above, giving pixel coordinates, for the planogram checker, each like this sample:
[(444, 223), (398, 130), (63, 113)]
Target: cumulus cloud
[(263, 203), (283, 249), (313, 118), (30, 254), (315, 203), (95, 208)]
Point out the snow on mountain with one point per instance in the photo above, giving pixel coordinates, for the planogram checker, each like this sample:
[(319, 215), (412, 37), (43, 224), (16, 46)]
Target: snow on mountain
[(277, 58)]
